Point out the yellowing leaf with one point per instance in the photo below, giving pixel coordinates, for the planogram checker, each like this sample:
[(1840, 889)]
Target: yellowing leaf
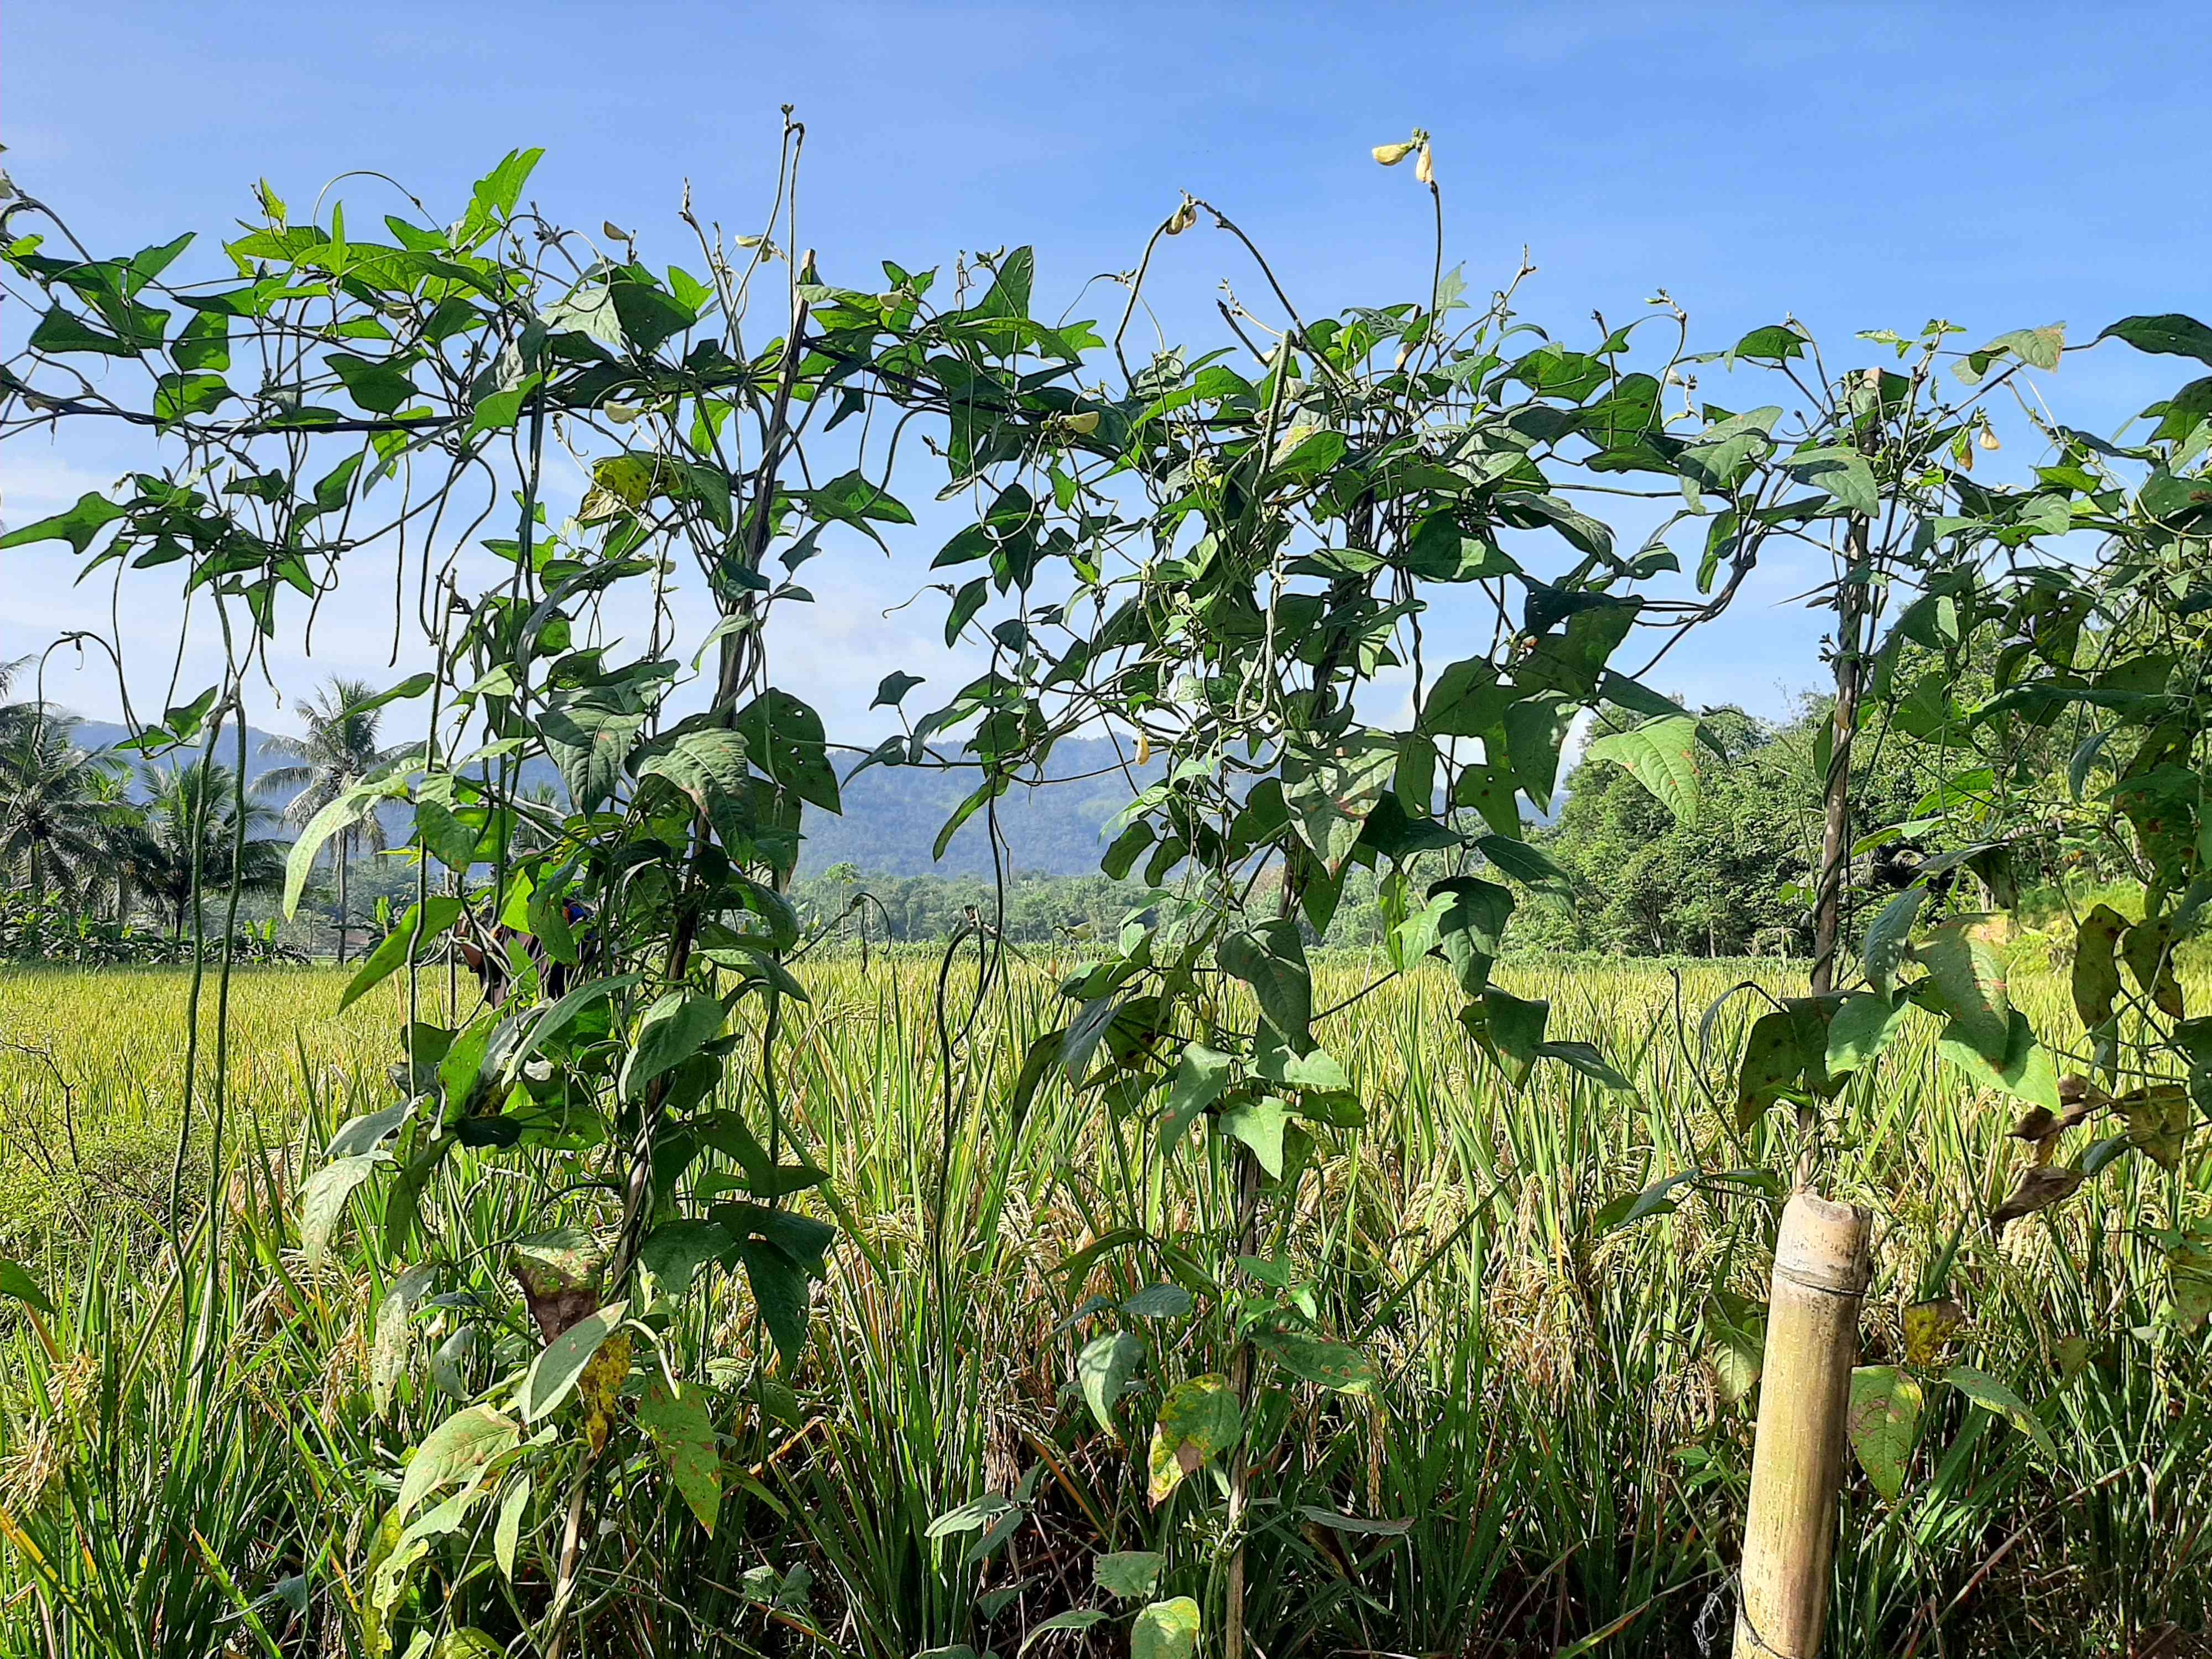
[(628, 479), (1166, 1630), (1929, 1328), (1198, 1421), (603, 1374), (678, 1423)]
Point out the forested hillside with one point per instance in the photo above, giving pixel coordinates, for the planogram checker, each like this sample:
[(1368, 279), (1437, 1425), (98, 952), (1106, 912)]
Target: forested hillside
[(892, 814)]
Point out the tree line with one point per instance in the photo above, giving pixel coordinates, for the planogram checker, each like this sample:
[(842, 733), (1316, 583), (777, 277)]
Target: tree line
[(105, 854)]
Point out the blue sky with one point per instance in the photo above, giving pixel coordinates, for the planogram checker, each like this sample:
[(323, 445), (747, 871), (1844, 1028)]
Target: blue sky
[(1858, 164)]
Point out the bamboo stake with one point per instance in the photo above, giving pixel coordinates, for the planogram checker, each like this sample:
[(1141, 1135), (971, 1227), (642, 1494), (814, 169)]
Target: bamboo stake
[(1821, 1272)]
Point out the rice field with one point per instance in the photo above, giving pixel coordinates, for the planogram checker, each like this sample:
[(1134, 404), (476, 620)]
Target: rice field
[(1554, 1461)]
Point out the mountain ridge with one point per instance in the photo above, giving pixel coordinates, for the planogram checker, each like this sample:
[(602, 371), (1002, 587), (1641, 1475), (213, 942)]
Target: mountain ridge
[(891, 816)]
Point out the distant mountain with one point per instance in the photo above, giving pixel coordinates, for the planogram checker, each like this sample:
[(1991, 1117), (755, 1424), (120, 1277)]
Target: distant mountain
[(891, 817), (892, 813), (105, 734)]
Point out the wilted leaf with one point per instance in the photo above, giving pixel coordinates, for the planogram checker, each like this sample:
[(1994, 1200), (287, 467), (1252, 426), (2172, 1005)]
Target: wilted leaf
[(1199, 1420), (2158, 1120), (323, 1200), (2147, 948), (507, 1532), (2189, 1277), (2043, 1185), (559, 1273)]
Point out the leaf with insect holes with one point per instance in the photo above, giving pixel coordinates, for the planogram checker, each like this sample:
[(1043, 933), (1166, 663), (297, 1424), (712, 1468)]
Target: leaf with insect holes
[(1259, 1124), (1771, 1066), (1335, 1365), (1199, 1078), (2170, 332), (2096, 974), (1861, 1029), (1330, 794), (1887, 935), (1271, 959), (456, 1450), (1841, 473), (678, 1025)]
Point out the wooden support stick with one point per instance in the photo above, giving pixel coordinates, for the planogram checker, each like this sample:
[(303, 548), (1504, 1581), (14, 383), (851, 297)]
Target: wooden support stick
[(1821, 1272)]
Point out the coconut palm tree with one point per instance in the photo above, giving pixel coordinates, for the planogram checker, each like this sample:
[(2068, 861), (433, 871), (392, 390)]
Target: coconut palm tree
[(339, 751), (15, 718), (51, 795), (162, 847), (120, 828)]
